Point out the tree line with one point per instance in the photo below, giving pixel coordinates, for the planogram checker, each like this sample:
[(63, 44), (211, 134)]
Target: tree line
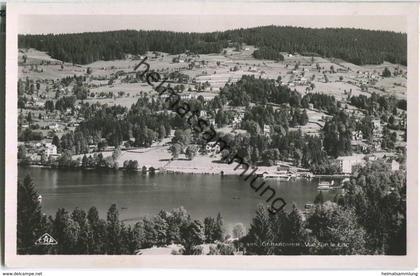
[(353, 45)]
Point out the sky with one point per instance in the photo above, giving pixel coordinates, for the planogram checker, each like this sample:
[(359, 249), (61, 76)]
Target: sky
[(42, 24)]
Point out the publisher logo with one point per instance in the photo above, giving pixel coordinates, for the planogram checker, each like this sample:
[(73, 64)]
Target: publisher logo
[(46, 239)]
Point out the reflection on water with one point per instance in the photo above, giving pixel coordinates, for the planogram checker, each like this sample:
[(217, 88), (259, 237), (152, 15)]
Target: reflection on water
[(137, 195)]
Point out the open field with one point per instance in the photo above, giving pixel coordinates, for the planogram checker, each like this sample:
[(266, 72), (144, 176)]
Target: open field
[(219, 69)]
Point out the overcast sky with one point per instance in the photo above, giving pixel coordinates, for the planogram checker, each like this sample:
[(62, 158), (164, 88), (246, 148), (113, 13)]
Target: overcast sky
[(41, 24)]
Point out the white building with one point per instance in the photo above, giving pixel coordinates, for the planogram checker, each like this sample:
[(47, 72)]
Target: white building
[(357, 135), (395, 166), (203, 113), (237, 119), (208, 97), (50, 149), (212, 147), (377, 128), (267, 130), (55, 127), (39, 104), (346, 163), (186, 96)]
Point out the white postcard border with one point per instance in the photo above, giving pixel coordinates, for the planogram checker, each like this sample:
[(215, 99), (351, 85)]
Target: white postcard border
[(409, 10)]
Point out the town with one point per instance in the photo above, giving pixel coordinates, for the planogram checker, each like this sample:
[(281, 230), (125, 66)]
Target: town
[(56, 101), (319, 115)]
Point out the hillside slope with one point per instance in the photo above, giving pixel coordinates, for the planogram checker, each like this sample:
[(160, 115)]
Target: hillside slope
[(354, 45)]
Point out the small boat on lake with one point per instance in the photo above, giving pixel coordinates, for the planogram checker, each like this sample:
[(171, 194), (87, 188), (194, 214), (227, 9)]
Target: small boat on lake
[(277, 176)]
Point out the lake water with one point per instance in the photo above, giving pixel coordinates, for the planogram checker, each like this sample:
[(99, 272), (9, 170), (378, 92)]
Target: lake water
[(137, 195)]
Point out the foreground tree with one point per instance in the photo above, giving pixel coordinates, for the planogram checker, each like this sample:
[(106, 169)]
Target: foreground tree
[(31, 223), (191, 235), (97, 237), (378, 197), (336, 231), (260, 233)]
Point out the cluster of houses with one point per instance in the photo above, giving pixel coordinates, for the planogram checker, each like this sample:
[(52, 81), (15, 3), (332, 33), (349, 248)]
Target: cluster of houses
[(35, 152), (190, 96), (348, 163), (377, 134)]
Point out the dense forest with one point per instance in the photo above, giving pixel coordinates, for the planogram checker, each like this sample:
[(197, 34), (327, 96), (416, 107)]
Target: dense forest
[(370, 218), (353, 45)]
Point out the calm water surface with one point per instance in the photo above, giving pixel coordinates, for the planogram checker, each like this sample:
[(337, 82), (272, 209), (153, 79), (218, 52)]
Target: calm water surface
[(137, 195)]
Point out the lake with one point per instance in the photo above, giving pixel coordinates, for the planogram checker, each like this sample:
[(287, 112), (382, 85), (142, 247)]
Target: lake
[(137, 195)]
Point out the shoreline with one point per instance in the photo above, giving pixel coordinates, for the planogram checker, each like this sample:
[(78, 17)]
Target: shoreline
[(189, 171)]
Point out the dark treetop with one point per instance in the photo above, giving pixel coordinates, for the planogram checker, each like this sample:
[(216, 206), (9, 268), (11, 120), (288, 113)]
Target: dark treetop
[(353, 45)]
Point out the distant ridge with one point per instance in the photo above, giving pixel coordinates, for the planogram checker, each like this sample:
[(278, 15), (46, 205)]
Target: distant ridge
[(357, 46)]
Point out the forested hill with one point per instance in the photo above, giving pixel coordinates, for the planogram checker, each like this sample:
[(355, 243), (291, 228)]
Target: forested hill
[(353, 45)]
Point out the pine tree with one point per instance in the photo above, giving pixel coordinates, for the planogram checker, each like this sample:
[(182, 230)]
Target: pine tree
[(97, 237), (84, 161), (113, 231), (296, 233), (162, 132), (260, 232), (192, 235), (219, 230), (209, 227), (79, 216), (31, 224), (66, 231)]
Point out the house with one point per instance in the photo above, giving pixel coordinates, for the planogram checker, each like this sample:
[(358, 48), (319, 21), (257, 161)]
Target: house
[(371, 157), (208, 97), (55, 127), (93, 148), (186, 96), (377, 129), (395, 166), (303, 80), (212, 147), (346, 163), (357, 135), (39, 104), (50, 149), (377, 145), (359, 146), (34, 157), (403, 121), (267, 130), (109, 148), (203, 113), (237, 119)]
